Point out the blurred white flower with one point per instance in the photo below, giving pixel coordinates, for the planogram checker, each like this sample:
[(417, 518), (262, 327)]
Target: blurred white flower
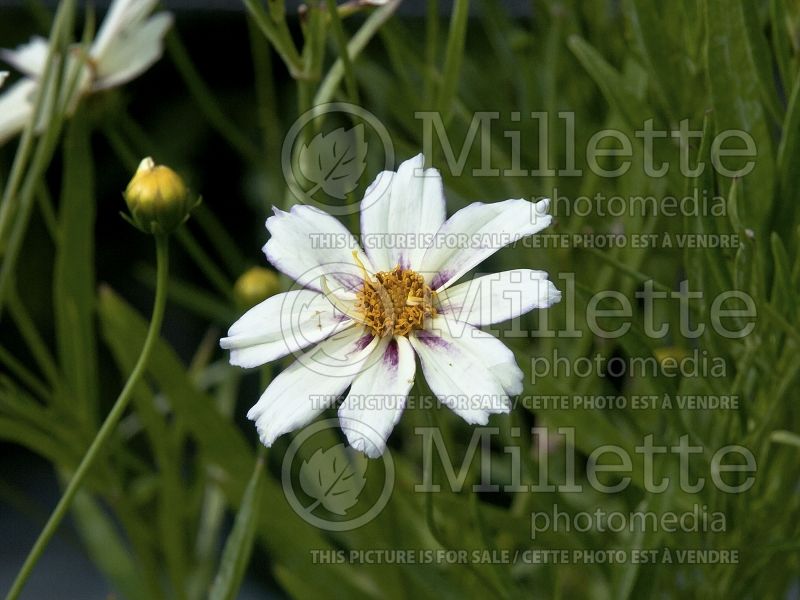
[(3, 75), (366, 313), (128, 42)]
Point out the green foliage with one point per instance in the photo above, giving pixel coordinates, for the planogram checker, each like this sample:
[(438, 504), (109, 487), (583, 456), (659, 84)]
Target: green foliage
[(152, 515)]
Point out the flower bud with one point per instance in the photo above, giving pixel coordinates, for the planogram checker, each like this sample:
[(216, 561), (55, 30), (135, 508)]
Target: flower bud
[(157, 198), (673, 353), (255, 285)]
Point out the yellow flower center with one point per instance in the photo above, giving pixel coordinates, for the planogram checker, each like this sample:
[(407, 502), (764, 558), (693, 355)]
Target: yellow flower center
[(396, 304)]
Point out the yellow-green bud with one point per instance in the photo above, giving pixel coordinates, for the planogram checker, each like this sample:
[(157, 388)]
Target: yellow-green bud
[(157, 198), (674, 353), (256, 285)]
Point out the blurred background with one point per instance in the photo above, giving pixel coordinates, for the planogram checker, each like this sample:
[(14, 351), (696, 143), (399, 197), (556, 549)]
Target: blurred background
[(216, 108)]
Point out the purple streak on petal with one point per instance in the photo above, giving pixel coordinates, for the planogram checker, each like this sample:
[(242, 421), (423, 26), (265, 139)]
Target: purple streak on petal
[(432, 340), (440, 279), (390, 357), (352, 283), (363, 342), (450, 307)]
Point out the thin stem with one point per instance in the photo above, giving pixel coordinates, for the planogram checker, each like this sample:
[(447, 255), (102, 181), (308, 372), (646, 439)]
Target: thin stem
[(162, 261), (341, 43), (205, 263), (32, 337), (62, 23), (279, 36), (220, 239), (431, 51), (265, 90), (207, 102), (352, 93), (356, 44), (24, 375), (41, 159), (454, 55), (47, 211)]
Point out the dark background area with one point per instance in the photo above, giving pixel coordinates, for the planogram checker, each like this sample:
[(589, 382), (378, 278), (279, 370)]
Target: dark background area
[(216, 36)]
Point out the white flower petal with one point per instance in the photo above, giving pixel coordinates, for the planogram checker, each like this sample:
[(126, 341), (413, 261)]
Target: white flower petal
[(135, 51), (487, 227), (122, 17), (280, 325), (29, 58), (373, 213), (399, 211), (3, 75), (16, 108), (492, 353), (311, 383), (498, 297), (307, 244), (378, 397), (470, 371)]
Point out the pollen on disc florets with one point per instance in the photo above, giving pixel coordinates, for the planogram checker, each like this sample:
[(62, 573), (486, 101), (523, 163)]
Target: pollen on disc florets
[(397, 303)]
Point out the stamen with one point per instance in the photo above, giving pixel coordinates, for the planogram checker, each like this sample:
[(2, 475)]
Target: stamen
[(364, 273), (396, 302), (343, 307)]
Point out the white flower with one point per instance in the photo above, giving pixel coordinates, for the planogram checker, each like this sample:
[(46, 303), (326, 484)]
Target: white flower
[(128, 42), (365, 314)]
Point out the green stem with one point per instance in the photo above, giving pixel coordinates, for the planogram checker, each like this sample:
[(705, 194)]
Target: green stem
[(352, 94), (26, 326), (277, 32), (454, 55), (341, 43), (431, 51), (62, 23), (265, 92), (41, 159), (47, 211), (356, 44), (220, 238), (207, 102), (162, 261), (217, 278), (24, 375)]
